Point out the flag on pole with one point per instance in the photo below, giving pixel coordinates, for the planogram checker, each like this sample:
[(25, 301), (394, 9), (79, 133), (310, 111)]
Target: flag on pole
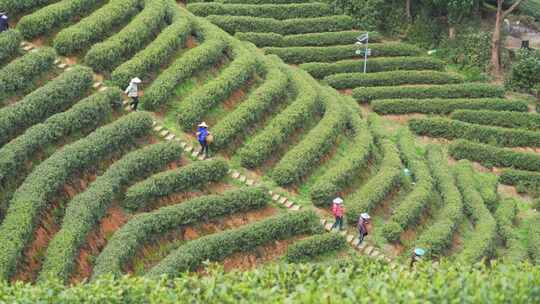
[(363, 38)]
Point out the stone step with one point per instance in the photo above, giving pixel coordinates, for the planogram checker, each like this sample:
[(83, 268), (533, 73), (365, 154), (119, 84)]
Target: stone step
[(276, 197), (170, 137), (28, 47), (282, 200), (164, 133), (183, 144), (362, 246), (236, 174), (62, 65), (201, 157), (289, 204), (158, 128), (355, 242), (350, 238), (195, 154), (189, 149), (250, 182), (328, 226), (97, 85), (368, 250), (102, 89), (154, 123), (57, 61), (242, 179), (295, 208)]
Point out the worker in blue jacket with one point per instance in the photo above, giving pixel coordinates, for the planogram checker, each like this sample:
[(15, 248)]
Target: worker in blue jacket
[(4, 25), (202, 136)]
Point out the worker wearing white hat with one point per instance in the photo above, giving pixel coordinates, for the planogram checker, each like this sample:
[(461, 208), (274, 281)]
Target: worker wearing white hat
[(4, 25), (133, 91), (337, 211), (363, 220), (203, 136)]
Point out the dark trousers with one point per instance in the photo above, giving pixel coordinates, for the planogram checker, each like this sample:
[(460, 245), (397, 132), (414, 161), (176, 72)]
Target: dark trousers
[(134, 103), (338, 222), (204, 147), (361, 238)]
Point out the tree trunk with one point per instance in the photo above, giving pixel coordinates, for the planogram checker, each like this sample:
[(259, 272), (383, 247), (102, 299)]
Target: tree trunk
[(496, 42), (452, 32), (408, 10)]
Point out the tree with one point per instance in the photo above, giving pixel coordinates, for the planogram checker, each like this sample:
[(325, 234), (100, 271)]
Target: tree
[(496, 38), (455, 10)]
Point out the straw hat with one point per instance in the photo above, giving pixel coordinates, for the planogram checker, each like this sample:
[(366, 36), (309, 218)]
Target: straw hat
[(338, 200), (419, 251), (365, 216), (136, 80), (203, 124)]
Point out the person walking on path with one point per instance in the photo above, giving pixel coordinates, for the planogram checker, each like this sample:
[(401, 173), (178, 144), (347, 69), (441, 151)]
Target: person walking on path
[(416, 256), (338, 210), (203, 136), (133, 91), (4, 25), (363, 220)]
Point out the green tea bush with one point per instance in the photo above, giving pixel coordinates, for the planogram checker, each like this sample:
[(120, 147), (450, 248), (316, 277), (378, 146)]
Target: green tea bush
[(384, 64), (464, 90), (392, 78), (310, 39), (340, 175), (218, 246), (505, 215), (453, 129), (85, 115), (525, 72), (86, 210), (313, 246), (9, 45), (233, 24), (487, 185), (505, 119), (276, 11), (297, 55), (481, 242), (446, 106), (193, 108), (516, 177), (42, 184), (20, 74), (254, 108), (261, 1), (412, 206), (20, 6), (47, 18), (439, 235), (145, 227), (107, 55), (174, 181), (282, 126), (97, 26), (55, 96), (534, 239)]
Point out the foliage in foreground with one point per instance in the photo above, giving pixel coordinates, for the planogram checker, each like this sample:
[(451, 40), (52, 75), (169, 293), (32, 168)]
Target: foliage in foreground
[(359, 281)]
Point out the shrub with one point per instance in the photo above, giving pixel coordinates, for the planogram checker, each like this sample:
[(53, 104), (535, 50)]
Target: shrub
[(43, 183), (19, 75), (53, 97), (20, 6), (340, 175), (253, 109), (233, 24), (516, 177), (487, 185), (54, 15), (534, 239), (217, 246), (276, 11), (9, 44), (156, 53), (200, 101), (97, 26), (174, 181), (465, 90), (412, 206), (298, 161), (310, 39), (445, 106), (261, 1), (311, 247), (86, 210), (525, 72), (85, 115), (505, 215), (297, 55), (107, 55), (452, 129), (392, 78), (506, 119), (383, 64), (482, 240), (145, 227), (259, 148)]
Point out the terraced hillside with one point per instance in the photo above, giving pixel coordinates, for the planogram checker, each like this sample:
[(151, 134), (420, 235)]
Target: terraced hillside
[(88, 188)]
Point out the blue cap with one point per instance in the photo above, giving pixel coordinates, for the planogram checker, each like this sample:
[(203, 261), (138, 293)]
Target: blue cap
[(419, 251)]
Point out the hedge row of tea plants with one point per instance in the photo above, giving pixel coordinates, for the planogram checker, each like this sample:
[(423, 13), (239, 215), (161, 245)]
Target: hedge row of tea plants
[(411, 207), (19, 6), (255, 107), (481, 241), (60, 13), (218, 246), (505, 119), (339, 176), (233, 24), (383, 64), (96, 27), (42, 184), (454, 129), (107, 55), (309, 39), (86, 210), (55, 96), (505, 216), (258, 1), (19, 75), (10, 41), (439, 235), (82, 117), (282, 126), (534, 239), (392, 78), (516, 177), (307, 249), (487, 184), (445, 106), (465, 90), (276, 11), (297, 55), (146, 227), (174, 181)]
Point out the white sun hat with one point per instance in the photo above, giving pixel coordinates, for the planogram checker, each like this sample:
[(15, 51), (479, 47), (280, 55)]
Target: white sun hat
[(203, 124), (338, 200), (136, 80), (365, 216)]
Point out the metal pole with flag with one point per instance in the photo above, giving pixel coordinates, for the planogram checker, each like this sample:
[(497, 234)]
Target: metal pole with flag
[(364, 41)]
